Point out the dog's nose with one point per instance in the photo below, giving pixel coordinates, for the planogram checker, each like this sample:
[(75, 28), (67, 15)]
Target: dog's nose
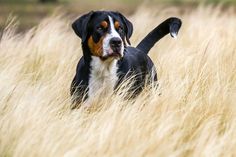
[(115, 42)]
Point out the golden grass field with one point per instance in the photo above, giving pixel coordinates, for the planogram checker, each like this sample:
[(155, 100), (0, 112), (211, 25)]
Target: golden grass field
[(195, 115)]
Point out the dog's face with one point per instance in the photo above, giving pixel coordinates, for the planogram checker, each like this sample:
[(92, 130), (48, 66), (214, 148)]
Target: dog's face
[(104, 32)]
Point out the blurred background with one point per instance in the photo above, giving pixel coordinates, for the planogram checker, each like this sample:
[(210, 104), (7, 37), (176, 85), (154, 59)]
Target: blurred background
[(28, 13)]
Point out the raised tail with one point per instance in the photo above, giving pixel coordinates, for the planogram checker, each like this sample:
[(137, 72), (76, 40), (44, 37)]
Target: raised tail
[(171, 25)]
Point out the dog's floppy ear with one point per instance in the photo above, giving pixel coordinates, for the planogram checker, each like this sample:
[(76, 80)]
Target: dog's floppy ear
[(80, 25), (128, 27)]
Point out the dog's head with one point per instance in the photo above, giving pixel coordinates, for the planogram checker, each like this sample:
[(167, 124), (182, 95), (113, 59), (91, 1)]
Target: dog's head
[(104, 32)]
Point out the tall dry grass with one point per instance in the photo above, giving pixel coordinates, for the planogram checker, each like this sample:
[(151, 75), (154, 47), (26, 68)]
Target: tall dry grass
[(194, 116)]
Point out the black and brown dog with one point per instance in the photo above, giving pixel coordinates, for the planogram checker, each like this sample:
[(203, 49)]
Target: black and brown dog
[(107, 60)]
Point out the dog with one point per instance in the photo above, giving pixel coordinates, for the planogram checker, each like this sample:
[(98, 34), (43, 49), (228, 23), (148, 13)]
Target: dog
[(108, 60)]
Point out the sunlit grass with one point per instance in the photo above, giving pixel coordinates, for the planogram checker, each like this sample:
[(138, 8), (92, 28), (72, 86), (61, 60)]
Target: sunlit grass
[(193, 116)]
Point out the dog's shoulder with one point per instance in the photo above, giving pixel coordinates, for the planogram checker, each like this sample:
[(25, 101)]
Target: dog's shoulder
[(82, 71), (134, 61), (133, 58)]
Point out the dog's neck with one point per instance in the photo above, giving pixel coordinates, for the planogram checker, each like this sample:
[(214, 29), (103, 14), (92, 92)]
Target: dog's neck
[(103, 76)]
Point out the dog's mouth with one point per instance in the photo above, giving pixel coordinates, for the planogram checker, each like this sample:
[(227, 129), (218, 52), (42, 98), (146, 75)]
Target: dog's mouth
[(115, 55)]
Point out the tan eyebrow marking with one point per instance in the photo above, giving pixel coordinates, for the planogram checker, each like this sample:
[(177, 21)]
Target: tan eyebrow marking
[(104, 24), (117, 24)]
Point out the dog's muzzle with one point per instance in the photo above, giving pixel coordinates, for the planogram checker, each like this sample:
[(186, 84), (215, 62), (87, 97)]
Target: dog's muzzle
[(115, 44)]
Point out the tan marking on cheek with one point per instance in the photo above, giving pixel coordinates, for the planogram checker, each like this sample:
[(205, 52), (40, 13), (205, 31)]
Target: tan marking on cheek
[(104, 24), (117, 24), (95, 48)]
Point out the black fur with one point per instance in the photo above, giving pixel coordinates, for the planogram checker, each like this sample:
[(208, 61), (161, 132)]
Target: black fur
[(135, 60)]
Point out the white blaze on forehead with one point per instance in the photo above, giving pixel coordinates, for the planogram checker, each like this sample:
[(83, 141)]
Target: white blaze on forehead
[(111, 34)]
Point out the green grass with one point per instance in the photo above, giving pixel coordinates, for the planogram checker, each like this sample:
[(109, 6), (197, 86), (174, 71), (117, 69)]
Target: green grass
[(30, 12)]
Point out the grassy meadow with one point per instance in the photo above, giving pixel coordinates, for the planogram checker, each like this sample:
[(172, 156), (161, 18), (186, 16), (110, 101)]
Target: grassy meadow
[(31, 12), (195, 115)]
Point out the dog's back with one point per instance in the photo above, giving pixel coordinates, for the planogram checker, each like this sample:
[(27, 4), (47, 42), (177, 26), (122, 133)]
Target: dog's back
[(136, 62)]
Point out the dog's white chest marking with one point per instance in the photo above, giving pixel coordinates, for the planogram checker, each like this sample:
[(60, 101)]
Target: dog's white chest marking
[(103, 77)]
